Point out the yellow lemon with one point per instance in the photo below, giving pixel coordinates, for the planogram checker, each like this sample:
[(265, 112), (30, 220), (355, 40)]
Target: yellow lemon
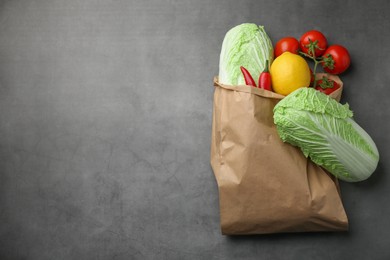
[(289, 72)]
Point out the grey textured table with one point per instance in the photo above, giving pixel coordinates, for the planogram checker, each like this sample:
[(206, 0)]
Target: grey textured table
[(105, 120)]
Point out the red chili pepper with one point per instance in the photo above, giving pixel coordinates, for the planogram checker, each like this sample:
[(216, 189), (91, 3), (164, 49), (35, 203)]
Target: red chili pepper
[(248, 77), (265, 78)]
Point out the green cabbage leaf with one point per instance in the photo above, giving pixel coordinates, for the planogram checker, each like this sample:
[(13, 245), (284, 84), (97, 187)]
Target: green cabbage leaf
[(326, 132), (246, 45)]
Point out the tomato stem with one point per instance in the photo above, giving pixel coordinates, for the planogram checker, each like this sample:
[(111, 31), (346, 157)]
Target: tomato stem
[(314, 72), (316, 62), (326, 83)]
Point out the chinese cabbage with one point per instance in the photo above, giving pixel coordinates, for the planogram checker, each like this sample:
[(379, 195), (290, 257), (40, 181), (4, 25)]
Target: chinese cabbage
[(246, 45), (326, 132)]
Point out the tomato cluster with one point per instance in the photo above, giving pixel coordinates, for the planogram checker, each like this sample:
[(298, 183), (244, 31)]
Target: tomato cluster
[(334, 59)]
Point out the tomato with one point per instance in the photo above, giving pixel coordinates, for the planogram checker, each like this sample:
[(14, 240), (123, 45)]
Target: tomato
[(326, 85), (336, 59), (313, 40), (286, 44)]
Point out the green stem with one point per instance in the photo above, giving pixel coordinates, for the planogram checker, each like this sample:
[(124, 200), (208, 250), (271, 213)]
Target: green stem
[(314, 72), (316, 61), (306, 55), (266, 66)]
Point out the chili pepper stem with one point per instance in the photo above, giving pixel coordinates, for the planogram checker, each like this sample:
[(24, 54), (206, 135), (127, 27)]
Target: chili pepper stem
[(266, 66)]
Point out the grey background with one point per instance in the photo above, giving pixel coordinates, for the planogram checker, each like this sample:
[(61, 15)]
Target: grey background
[(105, 120)]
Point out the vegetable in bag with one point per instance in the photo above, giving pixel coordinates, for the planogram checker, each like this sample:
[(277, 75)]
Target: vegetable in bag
[(325, 131), (246, 45)]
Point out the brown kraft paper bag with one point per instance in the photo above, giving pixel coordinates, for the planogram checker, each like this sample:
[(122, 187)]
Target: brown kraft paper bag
[(265, 185)]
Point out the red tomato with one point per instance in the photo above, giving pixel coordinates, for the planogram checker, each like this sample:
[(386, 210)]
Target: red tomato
[(326, 85), (313, 39), (336, 59), (286, 44)]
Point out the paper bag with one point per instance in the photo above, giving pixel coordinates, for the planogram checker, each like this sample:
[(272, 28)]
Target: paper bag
[(265, 185)]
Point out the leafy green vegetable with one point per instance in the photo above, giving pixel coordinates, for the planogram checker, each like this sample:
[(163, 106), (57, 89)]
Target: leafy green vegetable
[(246, 45), (325, 131)]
